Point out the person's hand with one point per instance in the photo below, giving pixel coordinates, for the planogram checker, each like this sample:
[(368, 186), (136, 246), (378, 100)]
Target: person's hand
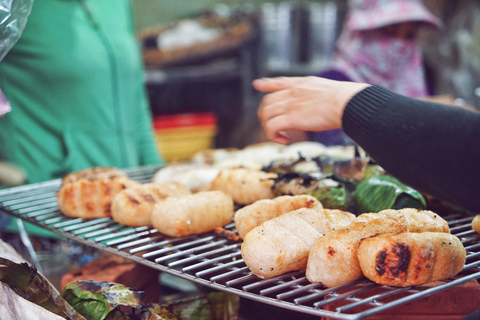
[(302, 103)]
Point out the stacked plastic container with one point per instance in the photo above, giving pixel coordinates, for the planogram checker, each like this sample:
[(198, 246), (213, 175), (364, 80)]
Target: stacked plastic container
[(180, 136)]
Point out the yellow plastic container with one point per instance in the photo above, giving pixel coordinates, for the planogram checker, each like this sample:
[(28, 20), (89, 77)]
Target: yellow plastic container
[(180, 136)]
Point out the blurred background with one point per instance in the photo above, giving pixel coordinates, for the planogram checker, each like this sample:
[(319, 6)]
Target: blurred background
[(275, 38)]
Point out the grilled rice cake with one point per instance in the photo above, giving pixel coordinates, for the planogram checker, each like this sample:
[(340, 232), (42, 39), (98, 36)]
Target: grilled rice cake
[(409, 259), (476, 223), (192, 213), (89, 193), (252, 215), (245, 185), (333, 259), (282, 244), (134, 206)]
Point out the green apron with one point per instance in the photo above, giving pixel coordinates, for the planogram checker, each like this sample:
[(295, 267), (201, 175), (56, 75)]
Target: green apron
[(75, 84)]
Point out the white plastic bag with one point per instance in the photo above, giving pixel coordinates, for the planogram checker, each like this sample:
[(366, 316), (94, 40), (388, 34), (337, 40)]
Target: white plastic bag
[(13, 18)]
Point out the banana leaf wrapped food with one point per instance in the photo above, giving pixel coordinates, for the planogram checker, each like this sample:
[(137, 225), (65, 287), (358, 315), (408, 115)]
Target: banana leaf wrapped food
[(111, 301), (329, 191), (329, 180), (25, 281), (354, 184), (382, 191)]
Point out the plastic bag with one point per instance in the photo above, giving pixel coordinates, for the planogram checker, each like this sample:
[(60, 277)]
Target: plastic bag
[(13, 18)]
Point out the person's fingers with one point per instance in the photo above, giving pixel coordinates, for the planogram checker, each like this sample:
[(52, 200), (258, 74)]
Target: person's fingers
[(281, 138), (272, 105), (279, 115), (275, 104), (274, 97), (275, 128), (276, 84)]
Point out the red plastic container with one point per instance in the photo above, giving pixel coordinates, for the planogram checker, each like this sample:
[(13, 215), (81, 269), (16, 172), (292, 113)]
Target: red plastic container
[(180, 136)]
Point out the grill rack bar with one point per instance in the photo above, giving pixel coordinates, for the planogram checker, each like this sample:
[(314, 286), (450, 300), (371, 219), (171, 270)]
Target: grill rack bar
[(210, 260)]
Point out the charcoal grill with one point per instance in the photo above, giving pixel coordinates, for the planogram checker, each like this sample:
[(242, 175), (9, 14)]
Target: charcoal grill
[(215, 262)]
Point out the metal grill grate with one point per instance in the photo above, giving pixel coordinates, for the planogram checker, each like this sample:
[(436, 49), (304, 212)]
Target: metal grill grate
[(216, 262)]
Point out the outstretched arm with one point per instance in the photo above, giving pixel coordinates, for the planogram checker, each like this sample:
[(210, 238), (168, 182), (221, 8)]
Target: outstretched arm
[(432, 147), (302, 103)]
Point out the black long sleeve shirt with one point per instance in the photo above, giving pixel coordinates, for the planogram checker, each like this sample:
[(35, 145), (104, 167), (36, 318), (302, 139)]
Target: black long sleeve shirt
[(428, 146)]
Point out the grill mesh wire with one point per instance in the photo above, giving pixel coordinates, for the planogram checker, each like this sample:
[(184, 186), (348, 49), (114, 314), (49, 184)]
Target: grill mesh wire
[(216, 262)]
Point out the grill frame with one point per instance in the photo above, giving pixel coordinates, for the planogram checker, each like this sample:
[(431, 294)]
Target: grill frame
[(215, 262)]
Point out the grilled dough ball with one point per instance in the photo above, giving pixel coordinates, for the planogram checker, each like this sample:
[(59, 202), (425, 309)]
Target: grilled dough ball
[(89, 193), (333, 259), (94, 173), (245, 185), (133, 206), (282, 244), (476, 223), (260, 211), (410, 259), (192, 214), (415, 220), (340, 219)]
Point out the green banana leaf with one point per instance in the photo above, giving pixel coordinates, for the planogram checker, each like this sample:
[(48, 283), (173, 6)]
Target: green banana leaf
[(331, 197), (330, 192), (25, 281), (208, 306), (111, 301), (379, 192), (373, 171)]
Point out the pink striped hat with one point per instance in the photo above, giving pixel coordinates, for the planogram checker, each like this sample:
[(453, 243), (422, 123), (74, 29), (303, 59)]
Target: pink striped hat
[(372, 14)]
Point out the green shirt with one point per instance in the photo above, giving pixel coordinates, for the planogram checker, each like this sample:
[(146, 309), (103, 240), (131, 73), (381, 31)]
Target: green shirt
[(75, 84)]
